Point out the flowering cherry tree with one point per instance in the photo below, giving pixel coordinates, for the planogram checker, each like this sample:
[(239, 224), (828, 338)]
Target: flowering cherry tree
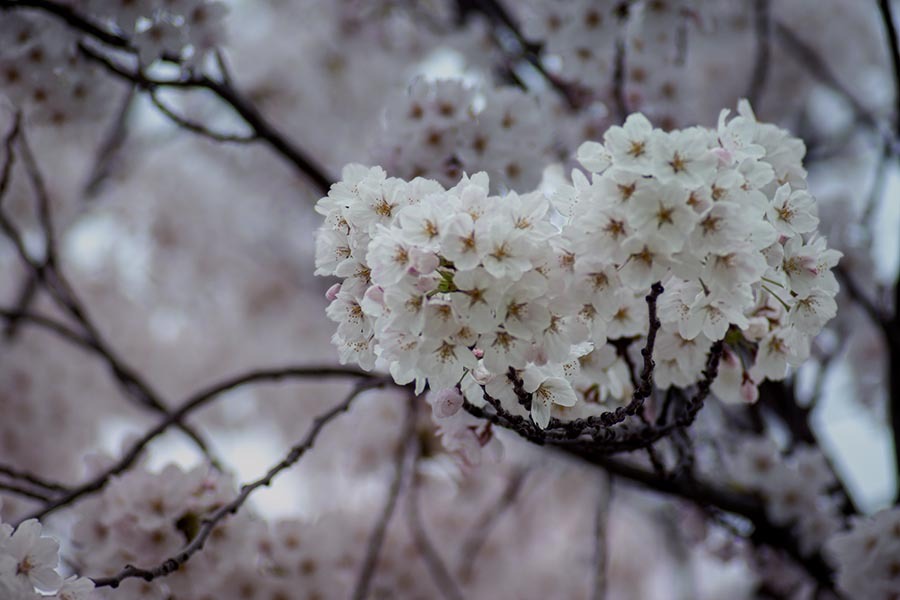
[(606, 306)]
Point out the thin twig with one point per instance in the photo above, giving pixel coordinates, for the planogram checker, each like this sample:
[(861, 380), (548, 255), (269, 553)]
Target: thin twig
[(763, 30), (199, 128), (224, 89), (820, 70), (482, 528), (704, 495), (601, 538), (32, 479), (27, 292), (17, 489), (437, 568), (190, 405), (890, 29), (112, 143), (376, 537), (208, 524), (878, 317), (49, 273)]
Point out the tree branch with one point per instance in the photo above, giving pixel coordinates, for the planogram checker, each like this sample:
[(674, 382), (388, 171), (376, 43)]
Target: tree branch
[(763, 29), (208, 524), (376, 537), (32, 479), (224, 89), (705, 495), (890, 30), (479, 532), (190, 405), (432, 558)]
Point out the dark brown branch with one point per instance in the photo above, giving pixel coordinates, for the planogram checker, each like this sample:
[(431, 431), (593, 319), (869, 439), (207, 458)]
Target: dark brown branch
[(405, 446), (49, 274), (878, 317), (32, 479), (224, 89), (437, 568), (890, 30), (199, 128), (482, 528), (496, 14), (209, 523), (15, 488), (706, 495), (71, 18), (112, 143), (27, 292), (763, 30), (819, 69), (261, 128), (601, 539), (190, 405)]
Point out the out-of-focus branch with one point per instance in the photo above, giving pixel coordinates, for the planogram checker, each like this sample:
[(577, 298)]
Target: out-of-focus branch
[(199, 128), (890, 30), (705, 495), (497, 14), (15, 488), (227, 93), (27, 291), (878, 317), (48, 273), (601, 539), (224, 89), (482, 528), (405, 448), (763, 29), (31, 479), (819, 69), (112, 143), (193, 403), (71, 18), (780, 399), (208, 524), (437, 568)]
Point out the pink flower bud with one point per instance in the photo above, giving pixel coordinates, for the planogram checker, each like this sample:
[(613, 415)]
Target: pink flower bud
[(478, 352), (422, 262), (725, 157), (749, 390), (375, 294), (757, 329), (445, 403), (332, 292)]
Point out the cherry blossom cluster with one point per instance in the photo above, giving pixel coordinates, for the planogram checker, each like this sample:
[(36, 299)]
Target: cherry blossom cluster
[(28, 565), (42, 74), (797, 488), (184, 30), (867, 556), (444, 128), (457, 287), (144, 518)]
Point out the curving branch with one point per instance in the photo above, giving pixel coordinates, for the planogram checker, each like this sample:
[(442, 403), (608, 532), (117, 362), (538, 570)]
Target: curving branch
[(437, 568), (31, 479), (193, 403), (890, 30), (48, 274), (762, 23), (224, 89), (475, 541), (405, 448), (209, 523), (198, 128)]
